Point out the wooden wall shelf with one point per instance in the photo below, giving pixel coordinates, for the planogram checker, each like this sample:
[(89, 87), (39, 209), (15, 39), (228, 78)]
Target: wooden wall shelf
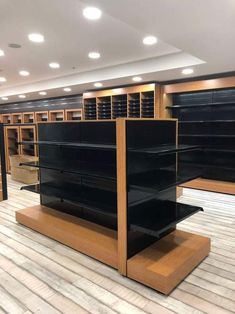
[(73, 114), (17, 118), (41, 116), (28, 117), (56, 115)]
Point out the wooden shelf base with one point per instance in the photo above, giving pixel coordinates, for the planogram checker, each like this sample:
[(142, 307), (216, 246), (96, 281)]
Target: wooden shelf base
[(163, 265), (86, 237), (211, 185)]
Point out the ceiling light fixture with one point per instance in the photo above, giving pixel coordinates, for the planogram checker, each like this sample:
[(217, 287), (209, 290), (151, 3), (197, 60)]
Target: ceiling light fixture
[(67, 89), (92, 13), (98, 84), (24, 73), (149, 40), (187, 71), (2, 53), (94, 55), (42, 93), (4, 98), (54, 65), (22, 96), (36, 38), (2, 79), (137, 78)]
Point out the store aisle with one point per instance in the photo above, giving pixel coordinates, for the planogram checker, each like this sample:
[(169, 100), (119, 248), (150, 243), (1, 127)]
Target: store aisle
[(40, 275)]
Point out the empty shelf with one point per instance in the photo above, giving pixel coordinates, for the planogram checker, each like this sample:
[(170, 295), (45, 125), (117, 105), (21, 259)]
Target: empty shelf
[(71, 144), (32, 188), (165, 149), (215, 104), (156, 216)]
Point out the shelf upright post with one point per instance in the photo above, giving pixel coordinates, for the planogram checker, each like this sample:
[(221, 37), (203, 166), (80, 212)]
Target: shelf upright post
[(121, 195)]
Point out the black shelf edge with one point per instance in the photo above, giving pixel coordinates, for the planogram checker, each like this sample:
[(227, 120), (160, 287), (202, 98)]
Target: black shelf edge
[(151, 221), (215, 104), (207, 135), (71, 144), (35, 188), (207, 121), (165, 149), (92, 173)]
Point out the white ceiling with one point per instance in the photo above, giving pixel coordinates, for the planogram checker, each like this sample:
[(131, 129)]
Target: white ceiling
[(199, 34)]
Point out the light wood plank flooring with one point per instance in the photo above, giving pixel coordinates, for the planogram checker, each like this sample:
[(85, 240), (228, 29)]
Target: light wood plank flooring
[(39, 275)]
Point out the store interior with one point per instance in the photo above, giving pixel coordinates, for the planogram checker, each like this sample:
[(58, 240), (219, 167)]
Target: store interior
[(117, 150)]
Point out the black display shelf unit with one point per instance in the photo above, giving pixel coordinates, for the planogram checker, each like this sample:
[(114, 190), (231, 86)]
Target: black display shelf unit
[(114, 183), (78, 173), (3, 176), (207, 118)]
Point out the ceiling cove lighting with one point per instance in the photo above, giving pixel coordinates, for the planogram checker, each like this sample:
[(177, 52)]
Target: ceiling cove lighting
[(98, 84), (149, 40), (67, 89), (187, 71), (2, 79), (137, 78), (42, 93), (92, 13), (94, 55), (22, 96), (36, 38), (4, 98), (54, 65), (2, 53), (24, 73)]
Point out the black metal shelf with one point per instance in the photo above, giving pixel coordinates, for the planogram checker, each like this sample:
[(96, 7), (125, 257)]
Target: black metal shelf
[(85, 169), (71, 144), (215, 104), (165, 149), (207, 121), (161, 179), (156, 217), (208, 135), (35, 188)]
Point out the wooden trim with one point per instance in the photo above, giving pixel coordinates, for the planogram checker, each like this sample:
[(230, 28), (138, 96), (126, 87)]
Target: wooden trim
[(211, 185), (217, 83), (164, 264), (121, 195), (84, 236)]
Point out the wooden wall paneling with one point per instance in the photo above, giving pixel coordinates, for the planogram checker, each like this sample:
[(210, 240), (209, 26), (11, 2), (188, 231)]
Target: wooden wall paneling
[(200, 85), (122, 195), (157, 100)]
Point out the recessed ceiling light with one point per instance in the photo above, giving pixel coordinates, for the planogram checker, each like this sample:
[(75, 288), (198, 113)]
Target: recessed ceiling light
[(94, 55), (54, 65), (22, 96), (4, 98), (98, 84), (187, 71), (24, 73), (2, 53), (36, 38), (150, 40), (42, 93), (67, 89), (137, 78), (2, 79), (92, 13)]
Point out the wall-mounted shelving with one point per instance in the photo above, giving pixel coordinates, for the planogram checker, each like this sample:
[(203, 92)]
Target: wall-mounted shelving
[(73, 114), (17, 118), (118, 186), (56, 115), (28, 134), (134, 102), (28, 117), (7, 118), (41, 116), (12, 137)]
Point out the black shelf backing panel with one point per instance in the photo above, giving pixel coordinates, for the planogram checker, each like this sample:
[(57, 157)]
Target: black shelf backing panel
[(165, 149), (156, 217)]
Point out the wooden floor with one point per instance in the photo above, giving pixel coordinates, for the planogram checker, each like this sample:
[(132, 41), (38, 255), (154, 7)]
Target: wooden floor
[(39, 275)]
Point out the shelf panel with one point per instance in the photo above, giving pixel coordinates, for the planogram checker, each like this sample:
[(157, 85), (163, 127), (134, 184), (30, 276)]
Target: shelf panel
[(70, 144), (32, 188), (215, 104), (156, 217), (208, 135), (96, 171), (160, 180), (165, 149)]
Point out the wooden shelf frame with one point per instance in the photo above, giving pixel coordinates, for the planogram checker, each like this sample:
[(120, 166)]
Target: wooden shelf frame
[(28, 117), (41, 116), (7, 118), (11, 132), (26, 136), (56, 115), (73, 114)]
